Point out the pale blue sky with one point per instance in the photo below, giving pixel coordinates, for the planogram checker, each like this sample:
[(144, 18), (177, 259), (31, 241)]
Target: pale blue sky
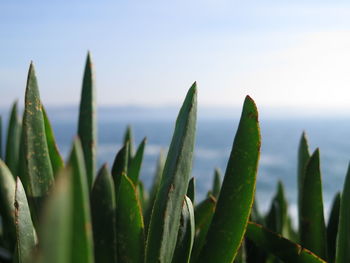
[(293, 54)]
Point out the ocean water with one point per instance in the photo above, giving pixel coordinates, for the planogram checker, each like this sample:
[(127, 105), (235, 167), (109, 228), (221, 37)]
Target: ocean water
[(214, 137)]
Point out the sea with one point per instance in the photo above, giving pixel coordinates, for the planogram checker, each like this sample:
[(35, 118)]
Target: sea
[(214, 137)]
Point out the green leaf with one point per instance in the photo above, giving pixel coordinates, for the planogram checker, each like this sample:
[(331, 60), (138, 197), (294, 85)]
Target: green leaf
[(142, 195), (128, 138), (38, 169), (217, 183), (313, 229), (26, 237), (284, 249), (237, 192), (14, 131), (56, 231), (343, 238), (303, 158), (165, 219), (332, 228), (55, 157), (87, 129), (130, 228), (103, 210), (277, 218), (154, 190), (186, 234), (7, 208), (120, 166), (82, 239), (135, 163), (191, 190), (203, 215)]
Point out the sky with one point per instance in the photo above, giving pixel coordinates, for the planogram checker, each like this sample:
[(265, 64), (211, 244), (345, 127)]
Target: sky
[(285, 54)]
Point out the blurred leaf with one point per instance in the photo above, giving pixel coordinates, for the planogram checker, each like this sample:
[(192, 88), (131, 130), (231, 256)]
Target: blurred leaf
[(7, 208), (274, 243), (130, 228), (38, 169), (103, 211), (56, 231), (26, 237), (332, 228), (237, 192), (203, 215), (277, 217), (55, 157), (14, 131), (142, 195), (313, 229), (217, 183), (165, 219), (303, 158), (128, 138), (154, 189), (135, 163), (343, 238), (120, 166), (186, 234), (191, 190), (87, 129), (241, 254), (82, 239)]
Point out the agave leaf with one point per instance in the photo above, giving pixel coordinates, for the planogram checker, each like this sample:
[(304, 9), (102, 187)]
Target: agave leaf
[(103, 211), (13, 141), (135, 163), (191, 189), (343, 237), (25, 233), (154, 189), (130, 228), (217, 183), (82, 240), (332, 228), (186, 234), (38, 169), (241, 254), (203, 215), (7, 208), (303, 159), (313, 229), (128, 138), (165, 219), (56, 231), (282, 248), (237, 192), (55, 157), (87, 129)]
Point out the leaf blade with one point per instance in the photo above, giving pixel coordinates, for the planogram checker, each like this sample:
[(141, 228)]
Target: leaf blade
[(162, 235), (237, 191)]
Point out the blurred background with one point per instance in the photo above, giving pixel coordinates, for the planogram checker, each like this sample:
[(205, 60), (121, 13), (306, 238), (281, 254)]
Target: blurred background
[(292, 57)]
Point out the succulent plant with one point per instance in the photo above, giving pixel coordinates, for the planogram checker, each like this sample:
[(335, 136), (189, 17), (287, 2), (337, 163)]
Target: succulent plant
[(68, 211)]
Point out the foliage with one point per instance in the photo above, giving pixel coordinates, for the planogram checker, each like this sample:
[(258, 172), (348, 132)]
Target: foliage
[(56, 211)]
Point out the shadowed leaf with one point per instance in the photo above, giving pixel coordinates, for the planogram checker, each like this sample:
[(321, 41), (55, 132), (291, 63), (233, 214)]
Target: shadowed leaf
[(103, 211), (135, 163), (332, 228), (14, 131)]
